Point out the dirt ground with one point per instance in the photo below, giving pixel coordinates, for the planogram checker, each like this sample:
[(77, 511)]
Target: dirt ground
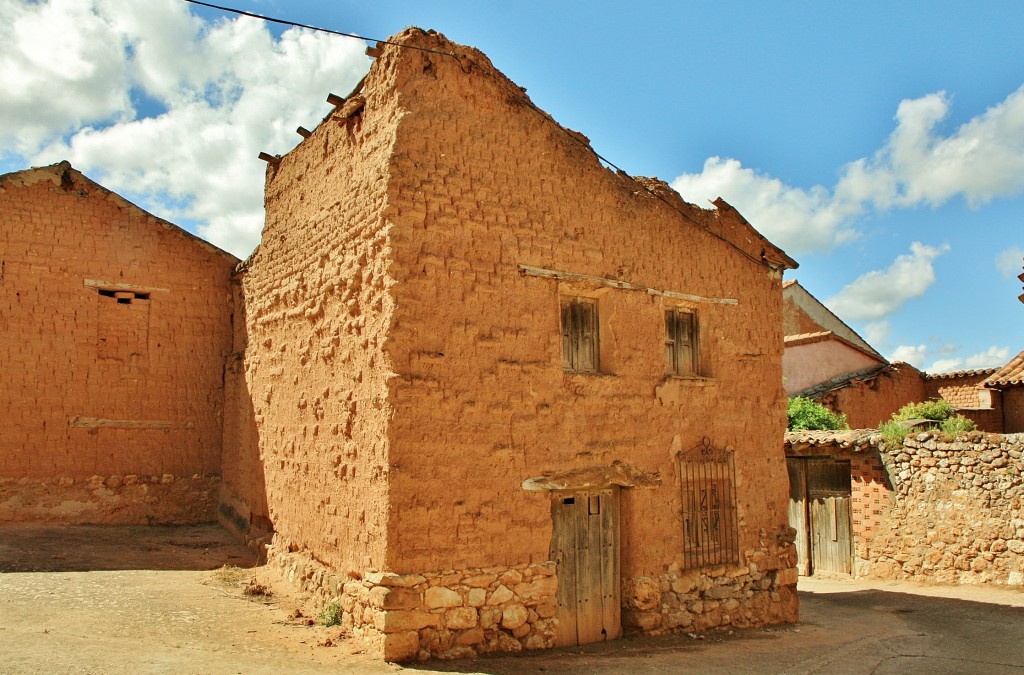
[(95, 599)]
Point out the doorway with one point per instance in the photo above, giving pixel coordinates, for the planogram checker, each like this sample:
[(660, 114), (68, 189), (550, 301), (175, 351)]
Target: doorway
[(819, 509), (585, 548)]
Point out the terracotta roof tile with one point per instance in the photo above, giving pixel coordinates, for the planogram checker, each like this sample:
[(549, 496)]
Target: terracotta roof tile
[(959, 373), (1009, 375), (856, 439)]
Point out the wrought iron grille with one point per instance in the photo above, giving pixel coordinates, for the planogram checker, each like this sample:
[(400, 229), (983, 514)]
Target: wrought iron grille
[(707, 480)]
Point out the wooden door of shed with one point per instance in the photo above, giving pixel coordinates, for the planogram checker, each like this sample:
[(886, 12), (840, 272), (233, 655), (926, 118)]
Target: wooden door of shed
[(585, 548), (798, 511), (828, 501)]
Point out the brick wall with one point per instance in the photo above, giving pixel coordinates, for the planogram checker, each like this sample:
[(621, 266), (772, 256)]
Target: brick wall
[(870, 402), (1013, 409), (114, 327)]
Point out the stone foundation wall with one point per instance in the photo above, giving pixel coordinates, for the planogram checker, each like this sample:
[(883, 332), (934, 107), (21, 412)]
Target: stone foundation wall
[(955, 512), (465, 613), (110, 500), (452, 614)]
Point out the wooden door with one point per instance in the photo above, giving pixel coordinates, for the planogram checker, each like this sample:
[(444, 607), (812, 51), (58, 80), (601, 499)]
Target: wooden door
[(798, 511), (585, 548), (828, 500)]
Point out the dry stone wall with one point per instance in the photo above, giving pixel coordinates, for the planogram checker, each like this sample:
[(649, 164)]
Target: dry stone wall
[(955, 513)]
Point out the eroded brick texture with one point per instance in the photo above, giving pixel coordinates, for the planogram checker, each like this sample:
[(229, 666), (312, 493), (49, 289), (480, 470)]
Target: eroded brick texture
[(406, 376), (114, 327), (870, 402)]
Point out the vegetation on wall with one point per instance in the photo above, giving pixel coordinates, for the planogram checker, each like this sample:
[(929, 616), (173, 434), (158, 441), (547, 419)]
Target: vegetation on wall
[(805, 414), (941, 413)]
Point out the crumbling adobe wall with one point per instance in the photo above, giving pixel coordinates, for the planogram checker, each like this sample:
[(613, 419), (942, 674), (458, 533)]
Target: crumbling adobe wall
[(961, 391), (115, 327), (870, 402), (317, 309), (954, 515), (481, 185)]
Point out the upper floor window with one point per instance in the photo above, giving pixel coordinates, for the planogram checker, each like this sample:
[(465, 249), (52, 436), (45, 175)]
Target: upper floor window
[(682, 353), (580, 335)]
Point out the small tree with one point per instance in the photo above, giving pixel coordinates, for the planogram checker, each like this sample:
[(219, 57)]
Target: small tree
[(805, 414)]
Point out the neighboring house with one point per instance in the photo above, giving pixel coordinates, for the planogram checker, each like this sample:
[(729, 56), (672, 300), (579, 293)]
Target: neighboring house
[(829, 362), (933, 508), (1006, 385), (503, 396), (114, 330)]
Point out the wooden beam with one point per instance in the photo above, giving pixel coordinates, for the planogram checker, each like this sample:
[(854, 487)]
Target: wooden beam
[(119, 286), (99, 422), (373, 52), (270, 159), (529, 270), (304, 132), (335, 100)]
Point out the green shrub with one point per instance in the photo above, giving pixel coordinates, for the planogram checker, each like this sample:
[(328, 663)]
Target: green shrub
[(331, 615), (893, 434), (805, 414), (956, 425), (929, 410)]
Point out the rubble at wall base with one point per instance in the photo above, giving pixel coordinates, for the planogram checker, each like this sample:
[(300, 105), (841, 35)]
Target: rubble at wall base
[(130, 499)]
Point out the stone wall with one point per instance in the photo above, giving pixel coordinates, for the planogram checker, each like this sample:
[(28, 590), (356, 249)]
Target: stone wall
[(471, 612), (451, 614), (115, 330), (954, 514)]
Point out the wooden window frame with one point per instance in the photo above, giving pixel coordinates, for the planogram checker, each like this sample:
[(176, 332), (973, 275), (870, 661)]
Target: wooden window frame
[(682, 342), (707, 488), (580, 328)]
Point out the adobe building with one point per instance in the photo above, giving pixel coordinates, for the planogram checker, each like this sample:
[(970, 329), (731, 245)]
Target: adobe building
[(505, 397), (114, 330), (827, 361)]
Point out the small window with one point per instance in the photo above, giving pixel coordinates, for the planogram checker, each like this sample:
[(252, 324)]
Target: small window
[(579, 335), (707, 478), (681, 337)]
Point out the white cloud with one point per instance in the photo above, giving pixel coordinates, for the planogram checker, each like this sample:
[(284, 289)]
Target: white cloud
[(879, 293), (876, 333), (915, 355), (222, 92), (1010, 261), (983, 159), (918, 356)]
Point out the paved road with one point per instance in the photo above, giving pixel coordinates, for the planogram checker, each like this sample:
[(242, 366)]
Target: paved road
[(137, 600)]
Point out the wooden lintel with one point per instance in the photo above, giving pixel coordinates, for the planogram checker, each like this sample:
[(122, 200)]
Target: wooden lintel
[(529, 270), (270, 159), (373, 52), (617, 473), (99, 422), (120, 286), (352, 106), (304, 132), (335, 100)]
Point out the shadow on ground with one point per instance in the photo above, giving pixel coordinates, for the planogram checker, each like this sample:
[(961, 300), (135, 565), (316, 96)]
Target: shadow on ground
[(85, 548)]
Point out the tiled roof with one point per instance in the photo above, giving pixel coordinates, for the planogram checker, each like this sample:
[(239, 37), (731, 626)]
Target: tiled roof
[(788, 282), (841, 381), (959, 373), (805, 338), (1010, 374), (856, 439)]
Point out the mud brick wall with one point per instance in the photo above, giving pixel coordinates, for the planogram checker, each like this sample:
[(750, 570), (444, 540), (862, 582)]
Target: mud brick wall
[(961, 391), (954, 514), (868, 403), (1013, 409), (313, 386), (114, 328)]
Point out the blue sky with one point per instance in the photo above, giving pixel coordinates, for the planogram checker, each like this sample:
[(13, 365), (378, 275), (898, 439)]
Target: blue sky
[(881, 144)]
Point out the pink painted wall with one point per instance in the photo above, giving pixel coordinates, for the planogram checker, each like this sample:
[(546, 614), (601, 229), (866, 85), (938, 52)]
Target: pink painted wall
[(813, 363)]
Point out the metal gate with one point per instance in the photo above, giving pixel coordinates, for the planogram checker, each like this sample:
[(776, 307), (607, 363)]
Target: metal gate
[(585, 547), (819, 510)]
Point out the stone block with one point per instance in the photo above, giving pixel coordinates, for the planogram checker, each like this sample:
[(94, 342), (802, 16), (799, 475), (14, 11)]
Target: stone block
[(537, 591), (438, 597), (460, 618), (396, 621), (399, 647), (500, 596), (514, 615)]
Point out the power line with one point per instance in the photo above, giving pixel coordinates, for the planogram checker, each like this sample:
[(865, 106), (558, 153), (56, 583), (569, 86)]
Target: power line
[(511, 88)]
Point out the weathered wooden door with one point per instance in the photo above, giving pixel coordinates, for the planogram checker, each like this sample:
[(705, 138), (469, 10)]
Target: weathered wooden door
[(819, 510), (798, 511), (828, 501), (585, 547)]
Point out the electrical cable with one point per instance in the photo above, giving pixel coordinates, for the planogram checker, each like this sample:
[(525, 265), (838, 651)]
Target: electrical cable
[(516, 91)]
